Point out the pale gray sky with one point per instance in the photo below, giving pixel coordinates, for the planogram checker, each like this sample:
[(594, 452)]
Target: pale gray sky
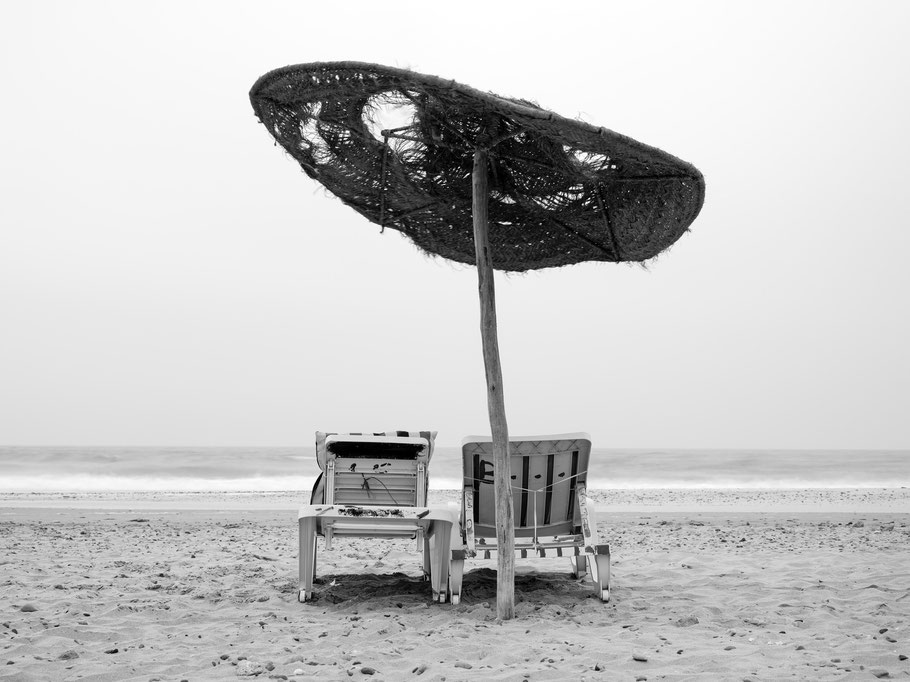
[(168, 276)]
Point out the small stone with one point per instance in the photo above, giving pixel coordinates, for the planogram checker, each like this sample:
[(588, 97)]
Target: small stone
[(462, 664), (28, 608), (640, 658), (881, 674), (68, 655), (901, 657), (298, 671), (225, 657), (367, 670), (686, 622), (800, 648), (112, 651), (598, 667), (420, 669), (730, 647), (249, 669)]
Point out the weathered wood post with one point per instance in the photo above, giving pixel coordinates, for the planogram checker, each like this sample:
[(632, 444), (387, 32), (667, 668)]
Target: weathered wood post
[(502, 483)]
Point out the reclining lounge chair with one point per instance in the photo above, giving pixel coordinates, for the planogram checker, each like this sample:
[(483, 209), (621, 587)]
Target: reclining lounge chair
[(375, 485), (550, 506)]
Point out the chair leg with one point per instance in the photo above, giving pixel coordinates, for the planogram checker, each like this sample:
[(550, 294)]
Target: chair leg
[(456, 573), (439, 564), (601, 571), (579, 566), (427, 558), (306, 559)]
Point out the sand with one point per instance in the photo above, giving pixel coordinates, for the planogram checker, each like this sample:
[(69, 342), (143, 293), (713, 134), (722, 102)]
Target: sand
[(726, 585)]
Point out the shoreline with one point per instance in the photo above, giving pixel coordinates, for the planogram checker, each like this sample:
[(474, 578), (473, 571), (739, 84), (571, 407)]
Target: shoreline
[(652, 500)]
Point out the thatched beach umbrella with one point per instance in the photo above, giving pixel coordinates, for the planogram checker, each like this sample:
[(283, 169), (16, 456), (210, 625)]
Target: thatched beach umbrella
[(495, 182)]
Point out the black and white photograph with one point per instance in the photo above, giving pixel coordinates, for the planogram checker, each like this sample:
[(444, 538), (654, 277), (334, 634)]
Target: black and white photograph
[(454, 341)]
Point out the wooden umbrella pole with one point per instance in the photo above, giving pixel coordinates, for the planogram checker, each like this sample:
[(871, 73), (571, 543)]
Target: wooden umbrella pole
[(502, 480)]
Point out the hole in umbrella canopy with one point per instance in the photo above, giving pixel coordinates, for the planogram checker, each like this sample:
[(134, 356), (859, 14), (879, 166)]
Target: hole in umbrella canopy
[(390, 112)]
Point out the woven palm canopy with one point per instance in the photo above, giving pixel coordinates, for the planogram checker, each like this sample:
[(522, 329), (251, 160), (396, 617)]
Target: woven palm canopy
[(560, 191)]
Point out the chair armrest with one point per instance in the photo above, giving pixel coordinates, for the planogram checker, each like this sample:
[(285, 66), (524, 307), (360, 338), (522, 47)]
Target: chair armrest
[(467, 520), (588, 522)]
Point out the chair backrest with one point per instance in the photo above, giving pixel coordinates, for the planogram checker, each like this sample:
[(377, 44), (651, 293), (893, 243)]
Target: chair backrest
[(386, 469), (546, 472)]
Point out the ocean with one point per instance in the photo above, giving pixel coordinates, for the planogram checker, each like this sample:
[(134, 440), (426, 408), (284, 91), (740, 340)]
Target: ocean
[(272, 469)]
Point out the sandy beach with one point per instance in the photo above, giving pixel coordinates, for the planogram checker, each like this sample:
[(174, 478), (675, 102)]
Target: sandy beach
[(726, 585)]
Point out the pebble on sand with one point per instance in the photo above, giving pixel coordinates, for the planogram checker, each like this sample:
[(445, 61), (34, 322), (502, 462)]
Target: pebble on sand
[(249, 669), (367, 670), (640, 658), (686, 622), (28, 608), (68, 655)]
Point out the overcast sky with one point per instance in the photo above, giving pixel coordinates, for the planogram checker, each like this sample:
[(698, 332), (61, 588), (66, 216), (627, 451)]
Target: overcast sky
[(169, 277)]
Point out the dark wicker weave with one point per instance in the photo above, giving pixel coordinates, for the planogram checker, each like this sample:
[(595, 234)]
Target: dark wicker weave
[(561, 191)]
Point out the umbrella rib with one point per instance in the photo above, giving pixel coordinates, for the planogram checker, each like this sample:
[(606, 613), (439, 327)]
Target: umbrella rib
[(648, 178), (408, 214), (422, 141), (607, 222), (612, 178), (385, 156), (579, 235), (565, 226)]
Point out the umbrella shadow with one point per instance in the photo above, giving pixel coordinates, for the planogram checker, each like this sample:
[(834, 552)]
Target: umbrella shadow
[(400, 590), (390, 589), (537, 587)]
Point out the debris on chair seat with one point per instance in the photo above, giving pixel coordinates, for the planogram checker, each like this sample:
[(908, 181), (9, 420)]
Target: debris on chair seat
[(361, 511)]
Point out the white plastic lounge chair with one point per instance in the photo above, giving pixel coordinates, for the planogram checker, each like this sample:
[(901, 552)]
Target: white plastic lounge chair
[(550, 505), (375, 485)]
